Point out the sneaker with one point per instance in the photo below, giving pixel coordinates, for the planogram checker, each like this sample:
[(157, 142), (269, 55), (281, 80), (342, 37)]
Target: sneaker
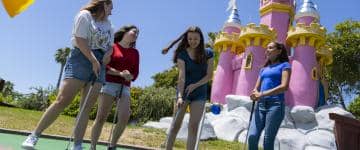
[(77, 147), (30, 142)]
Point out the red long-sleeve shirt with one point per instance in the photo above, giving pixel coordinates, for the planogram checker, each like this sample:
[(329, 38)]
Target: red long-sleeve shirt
[(123, 59)]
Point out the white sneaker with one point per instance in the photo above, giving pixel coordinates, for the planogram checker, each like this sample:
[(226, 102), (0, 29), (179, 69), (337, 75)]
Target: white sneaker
[(77, 147), (30, 142)]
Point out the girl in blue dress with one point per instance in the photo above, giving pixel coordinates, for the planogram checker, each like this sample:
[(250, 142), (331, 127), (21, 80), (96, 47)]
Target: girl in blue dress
[(195, 66)]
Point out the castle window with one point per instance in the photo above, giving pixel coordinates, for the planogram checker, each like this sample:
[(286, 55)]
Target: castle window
[(314, 74), (248, 61)]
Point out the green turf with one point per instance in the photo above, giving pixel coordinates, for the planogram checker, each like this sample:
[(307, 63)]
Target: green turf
[(13, 142)]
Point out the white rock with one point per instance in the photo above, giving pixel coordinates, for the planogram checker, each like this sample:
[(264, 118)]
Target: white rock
[(291, 139), (311, 147), (207, 131), (157, 125), (225, 109), (241, 113), (304, 118), (322, 138), (242, 138), (212, 117), (322, 116), (303, 114), (234, 101), (288, 121), (166, 120), (228, 128)]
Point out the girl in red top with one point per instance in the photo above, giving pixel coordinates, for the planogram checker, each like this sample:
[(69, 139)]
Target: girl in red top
[(122, 69)]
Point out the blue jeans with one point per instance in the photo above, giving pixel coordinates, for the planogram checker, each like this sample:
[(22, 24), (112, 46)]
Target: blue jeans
[(268, 114)]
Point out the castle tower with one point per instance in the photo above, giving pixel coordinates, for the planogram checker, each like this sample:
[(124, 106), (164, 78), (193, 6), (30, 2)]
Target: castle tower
[(226, 44), (277, 14), (306, 37), (255, 38)]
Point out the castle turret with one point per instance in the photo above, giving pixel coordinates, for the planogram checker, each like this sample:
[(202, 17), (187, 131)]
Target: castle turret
[(277, 14), (255, 38), (307, 13), (306, 37), (226, 44)]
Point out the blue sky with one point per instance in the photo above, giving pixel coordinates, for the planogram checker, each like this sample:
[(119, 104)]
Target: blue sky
[(29, 41)]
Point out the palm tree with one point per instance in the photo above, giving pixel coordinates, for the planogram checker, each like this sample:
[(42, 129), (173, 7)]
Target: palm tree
[(8, 88), (60, 57), (2, 84)]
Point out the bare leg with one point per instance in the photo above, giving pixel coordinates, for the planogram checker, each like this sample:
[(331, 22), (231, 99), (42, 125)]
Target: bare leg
[(104, 107), (123, 118), (83, 119), (175, 126), (67, 92), (196, 112)]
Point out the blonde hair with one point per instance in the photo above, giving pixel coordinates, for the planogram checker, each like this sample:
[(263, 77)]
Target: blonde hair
[(96, 7)]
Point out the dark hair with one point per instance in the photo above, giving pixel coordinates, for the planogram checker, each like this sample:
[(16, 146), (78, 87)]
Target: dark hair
[(96, 7), (282, 57), (121, 32), (199, 56)]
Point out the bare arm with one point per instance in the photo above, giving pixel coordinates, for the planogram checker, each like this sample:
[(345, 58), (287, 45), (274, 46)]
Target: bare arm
[(124, 74), (114, 72), (84, 48), (257, 85), (181, 78)]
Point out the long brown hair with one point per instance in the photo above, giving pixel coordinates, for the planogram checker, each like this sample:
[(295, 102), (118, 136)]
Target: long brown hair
[(119, 35), (184, 44), (96, 7), (282, 57)]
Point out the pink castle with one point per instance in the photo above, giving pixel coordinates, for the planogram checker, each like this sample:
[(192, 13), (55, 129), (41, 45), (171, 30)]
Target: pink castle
[(242, 51)]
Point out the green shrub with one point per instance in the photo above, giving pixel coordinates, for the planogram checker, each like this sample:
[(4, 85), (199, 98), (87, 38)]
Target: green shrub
[(8, 99), (150, 103), (73, 109), (153, 103), (135, 102), (354, 107)]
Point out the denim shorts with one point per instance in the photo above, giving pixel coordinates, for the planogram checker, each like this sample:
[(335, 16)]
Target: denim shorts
[(194, 96), (79, 67), (114, 89)]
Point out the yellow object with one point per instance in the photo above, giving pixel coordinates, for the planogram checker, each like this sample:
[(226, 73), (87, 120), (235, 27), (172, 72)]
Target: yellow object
[(223, 41), (252, 35), (188, 108), (325, 55), (15, 7), (277, 7), (314, 34)]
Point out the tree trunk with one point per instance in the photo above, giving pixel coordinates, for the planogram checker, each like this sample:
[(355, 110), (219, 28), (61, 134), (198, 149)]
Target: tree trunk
[(60, 75)]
